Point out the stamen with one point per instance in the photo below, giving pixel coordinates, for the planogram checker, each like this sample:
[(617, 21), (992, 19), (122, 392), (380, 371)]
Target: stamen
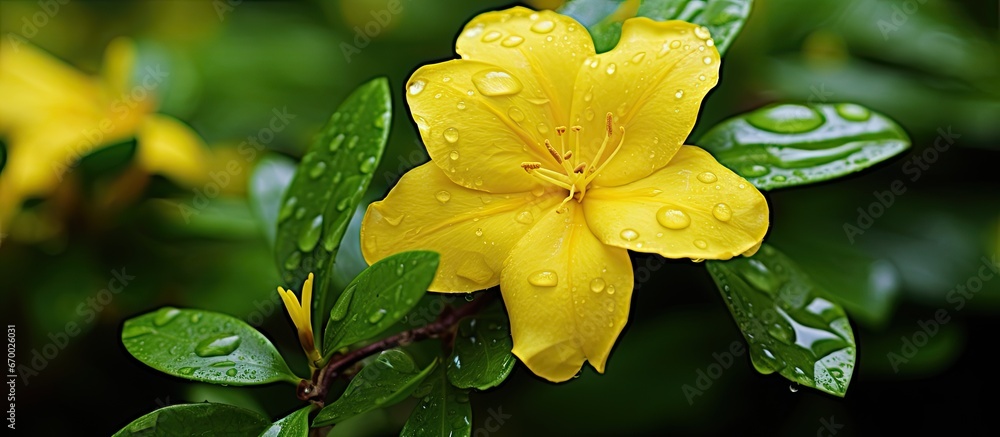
[(548, 146), (568, 155), (529, 166), (576, 144), (579, 169), (560, 130), (608, 122), (606, 161)]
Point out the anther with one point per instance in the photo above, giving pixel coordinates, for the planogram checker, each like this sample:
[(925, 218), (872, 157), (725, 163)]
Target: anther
[(553, 152), (608, 124), (580, 168), (568, 155), (577, 128), (529, 166), (560, 130)]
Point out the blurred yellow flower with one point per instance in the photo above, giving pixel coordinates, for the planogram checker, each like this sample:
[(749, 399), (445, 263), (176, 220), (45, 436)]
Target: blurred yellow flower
[(549, 161), (300, 313), (51, 115)]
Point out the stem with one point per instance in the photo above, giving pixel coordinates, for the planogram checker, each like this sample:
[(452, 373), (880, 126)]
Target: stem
[(443, 327)]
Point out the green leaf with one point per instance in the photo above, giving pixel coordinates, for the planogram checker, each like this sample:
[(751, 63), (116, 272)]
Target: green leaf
[(791, 327), (481, 357), (268, 182), (443, 410), (327, 187), (197, 420), (204, 346), (783, 145), (379, 297), (604, 18), (388, 380), (292, 425)]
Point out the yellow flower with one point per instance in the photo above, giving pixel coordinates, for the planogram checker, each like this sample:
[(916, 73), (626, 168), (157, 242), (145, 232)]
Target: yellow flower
[(51, 115), (549, 161), (301, 317)]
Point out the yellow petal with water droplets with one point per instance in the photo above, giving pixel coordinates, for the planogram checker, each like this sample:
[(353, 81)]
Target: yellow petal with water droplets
[(479, 123), (567, 294), (544, 49), (473, 231), (653, 82), (169, 147), (676, 214)]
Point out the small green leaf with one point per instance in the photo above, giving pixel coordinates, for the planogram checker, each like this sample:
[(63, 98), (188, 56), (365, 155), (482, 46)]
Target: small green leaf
[(792, 329), (443, 410), (388, 380), (327, 187), (268, 183), (603, 18), (292, 425), (197, 420), (783, 145), (204, 346), (379, 297), (482, 357)]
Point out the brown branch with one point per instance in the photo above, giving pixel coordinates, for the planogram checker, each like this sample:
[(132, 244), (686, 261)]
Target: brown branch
[(443, 327)]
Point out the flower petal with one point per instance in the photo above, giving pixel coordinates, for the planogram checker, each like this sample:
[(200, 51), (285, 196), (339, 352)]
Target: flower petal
[(475, 127), (567, 295), (472, 230), (692, 208), (171, 148), (544, 49), (653, 83)]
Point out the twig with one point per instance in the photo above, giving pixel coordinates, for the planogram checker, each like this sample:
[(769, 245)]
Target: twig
[(443, 327)]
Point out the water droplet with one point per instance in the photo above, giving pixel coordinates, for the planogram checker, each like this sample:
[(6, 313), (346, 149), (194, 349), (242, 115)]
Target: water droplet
[(309, 235), (443, 196), (702, 32), (451, 135), (293, 261), (793, 388), (589, 114), (479, 232), (679, 94), (611, 68), (543, 26), (339, 310), (707, 60), (853, 112), (598, 285), (512, 41), (368, 165), (287, 209), (515, 114), (675, 44), (753, 171), (707, 177), (702, 77), (701, 244), (492, 36), (544, 278), (317, 170), (525, 217), (336, 142), (611, 289), (416, 87), (166, 315), (133, 331), (186, 370), (218, 345), (542, 128), (494, 82), (638, 57), (671, 218), (786, 118), (629, 234), (460, 105), (478, 182), (722, 212), (376, 316)]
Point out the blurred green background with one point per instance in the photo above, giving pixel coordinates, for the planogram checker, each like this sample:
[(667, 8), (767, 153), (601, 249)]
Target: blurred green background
[(935, 68)]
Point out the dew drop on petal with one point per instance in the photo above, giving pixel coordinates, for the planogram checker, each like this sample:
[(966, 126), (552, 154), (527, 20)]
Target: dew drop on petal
[(416, 87), (544, 278), (443, 196), (629, 234), (671, 218), (451, 135), (598, 285)]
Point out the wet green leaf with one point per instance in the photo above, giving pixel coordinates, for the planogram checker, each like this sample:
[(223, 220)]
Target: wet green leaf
[(197, 420), (603, 18), (204, 346), (444, 410), (268, 182), (389, 379), (327, 187), (791, 327), (379, 297), (783, 145), (292, 425), (481, 357)]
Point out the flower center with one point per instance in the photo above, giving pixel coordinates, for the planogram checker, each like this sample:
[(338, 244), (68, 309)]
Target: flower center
[(575, 174)]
